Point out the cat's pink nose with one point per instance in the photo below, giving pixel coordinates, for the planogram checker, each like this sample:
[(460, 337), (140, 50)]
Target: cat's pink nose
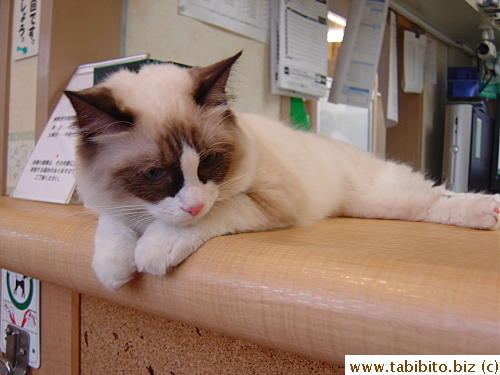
[(194, 210)]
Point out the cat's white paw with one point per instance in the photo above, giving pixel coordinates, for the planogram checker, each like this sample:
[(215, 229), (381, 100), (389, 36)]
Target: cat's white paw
[(162, 247), (112, 272), (114, 245), (486, 213), (476, 211)]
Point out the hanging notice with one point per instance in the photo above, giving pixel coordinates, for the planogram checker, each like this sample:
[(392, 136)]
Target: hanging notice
[(49, 174), (248, 18), (25, 28), (21, 307), (415, 46), (359, 53), (430, 68), (299, 48), (392, 92)]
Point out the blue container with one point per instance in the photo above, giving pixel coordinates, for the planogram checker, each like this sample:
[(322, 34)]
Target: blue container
[(463, 83)]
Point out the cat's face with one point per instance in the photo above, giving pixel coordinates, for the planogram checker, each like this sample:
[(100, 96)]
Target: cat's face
[(163, 139)]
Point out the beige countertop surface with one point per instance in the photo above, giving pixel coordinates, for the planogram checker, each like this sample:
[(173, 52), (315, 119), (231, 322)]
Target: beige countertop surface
[(341, 286)]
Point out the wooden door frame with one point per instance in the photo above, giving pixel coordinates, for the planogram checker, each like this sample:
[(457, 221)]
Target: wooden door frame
[(5, 37)]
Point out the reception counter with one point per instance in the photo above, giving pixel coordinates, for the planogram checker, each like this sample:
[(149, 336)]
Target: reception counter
[(341, 286)]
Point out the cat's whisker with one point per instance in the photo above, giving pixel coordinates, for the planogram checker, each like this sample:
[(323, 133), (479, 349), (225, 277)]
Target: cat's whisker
[(214, 147), (218, 133), (138, 212), (216, 127), (133, 216), (222, 143), (88, 215), (235, 179), (129, 208), (143, 168), (143, 220), (121, 211), (79, 213), (120, 122), (135, 222)]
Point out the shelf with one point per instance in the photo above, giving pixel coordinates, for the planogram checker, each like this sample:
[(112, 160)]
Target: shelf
[(457, 19)]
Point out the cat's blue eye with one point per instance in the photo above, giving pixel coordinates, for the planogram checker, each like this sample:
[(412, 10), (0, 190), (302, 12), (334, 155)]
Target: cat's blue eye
[(209, 160), (155, 174)]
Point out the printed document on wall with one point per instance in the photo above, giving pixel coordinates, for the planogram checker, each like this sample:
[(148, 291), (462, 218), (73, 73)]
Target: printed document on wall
[(359, 53), (246, 17), (299, 47), (392, 94), (430, 67), (414, 62)]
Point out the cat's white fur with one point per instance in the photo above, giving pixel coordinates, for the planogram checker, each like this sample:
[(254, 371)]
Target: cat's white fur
[(284, 178)]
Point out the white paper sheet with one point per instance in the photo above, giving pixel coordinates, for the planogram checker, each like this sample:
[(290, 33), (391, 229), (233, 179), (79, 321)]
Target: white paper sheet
[(299, 48), (359, 53), (249, 18), (414, 62), (392, 94), (430, 67), (49, 174), (25, 28)]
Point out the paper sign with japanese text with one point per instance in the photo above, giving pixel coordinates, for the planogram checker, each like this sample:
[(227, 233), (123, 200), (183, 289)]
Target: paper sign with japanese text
[(49, 174), (25, 28)]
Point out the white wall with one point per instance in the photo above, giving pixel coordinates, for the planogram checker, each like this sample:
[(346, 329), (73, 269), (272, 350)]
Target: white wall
[(155, 27), (22, 116)]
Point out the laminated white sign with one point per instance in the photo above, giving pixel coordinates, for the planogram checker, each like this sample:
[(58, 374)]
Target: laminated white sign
[(49, 174), (21, 307)]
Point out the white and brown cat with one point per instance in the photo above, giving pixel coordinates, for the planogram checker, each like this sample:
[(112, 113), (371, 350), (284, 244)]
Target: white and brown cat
[(168, 165)]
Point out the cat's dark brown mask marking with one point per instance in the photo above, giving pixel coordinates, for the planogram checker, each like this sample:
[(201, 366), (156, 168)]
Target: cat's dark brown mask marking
[(153, 184), (153, 178)]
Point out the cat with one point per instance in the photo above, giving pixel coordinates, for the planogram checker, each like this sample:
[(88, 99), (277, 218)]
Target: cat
[(167, 165)]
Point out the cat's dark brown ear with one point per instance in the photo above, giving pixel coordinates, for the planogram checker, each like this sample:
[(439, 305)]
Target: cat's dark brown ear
[(210, 82), (97, 112)]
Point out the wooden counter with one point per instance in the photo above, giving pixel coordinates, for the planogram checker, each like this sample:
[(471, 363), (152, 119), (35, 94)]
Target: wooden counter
[(341, 286)]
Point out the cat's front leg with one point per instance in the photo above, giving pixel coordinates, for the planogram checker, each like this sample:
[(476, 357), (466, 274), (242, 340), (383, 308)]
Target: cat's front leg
[(113, 262), (163, 246), (466, 210)]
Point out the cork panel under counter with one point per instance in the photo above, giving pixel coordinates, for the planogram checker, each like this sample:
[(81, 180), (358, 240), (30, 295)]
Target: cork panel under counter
[(121, 340)]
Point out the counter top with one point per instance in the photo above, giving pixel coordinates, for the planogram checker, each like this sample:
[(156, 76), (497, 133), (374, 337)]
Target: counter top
[(341, 286)]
